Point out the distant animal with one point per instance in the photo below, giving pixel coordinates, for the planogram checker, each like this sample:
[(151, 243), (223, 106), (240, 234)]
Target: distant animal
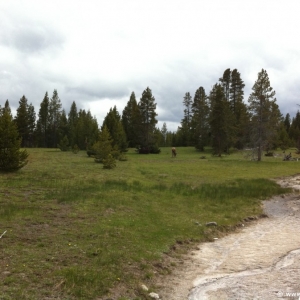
[(174, 152)]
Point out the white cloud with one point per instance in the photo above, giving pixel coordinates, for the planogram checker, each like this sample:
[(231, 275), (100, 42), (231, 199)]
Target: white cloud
[(97, 52)]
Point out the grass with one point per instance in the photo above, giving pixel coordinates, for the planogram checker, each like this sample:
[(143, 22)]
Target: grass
[(77, 231)]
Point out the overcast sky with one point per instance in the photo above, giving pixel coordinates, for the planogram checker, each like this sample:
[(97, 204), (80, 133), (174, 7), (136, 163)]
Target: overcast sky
[(96, 52)]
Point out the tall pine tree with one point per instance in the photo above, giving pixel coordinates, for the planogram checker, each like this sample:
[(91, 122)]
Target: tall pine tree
[(55, 111), (265, 114), (221, 120), (200, 119), (147, 107), (25, 121), (43, 123), (131, 120), (186, 122)]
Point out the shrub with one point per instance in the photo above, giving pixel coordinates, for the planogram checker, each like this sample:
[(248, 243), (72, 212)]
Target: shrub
[(75, 149), (109, 162), (64, 144), (91, 153)]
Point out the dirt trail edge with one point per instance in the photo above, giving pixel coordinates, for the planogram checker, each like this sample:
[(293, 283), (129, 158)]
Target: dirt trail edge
[(260, 261)]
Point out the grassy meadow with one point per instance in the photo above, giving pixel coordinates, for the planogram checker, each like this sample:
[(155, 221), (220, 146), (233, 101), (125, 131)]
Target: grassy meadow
[(77, 231)]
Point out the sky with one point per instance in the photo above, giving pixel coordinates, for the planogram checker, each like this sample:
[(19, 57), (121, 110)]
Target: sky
[(97, 52)]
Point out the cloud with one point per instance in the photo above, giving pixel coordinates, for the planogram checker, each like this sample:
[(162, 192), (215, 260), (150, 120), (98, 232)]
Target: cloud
[(30, 40), (97, 52)]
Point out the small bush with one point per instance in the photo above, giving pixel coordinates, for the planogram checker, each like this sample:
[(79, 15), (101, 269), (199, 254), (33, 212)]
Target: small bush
[(64, 144), (123, 157), (75, 149), (91, 153), (269, 154), (109, 162)]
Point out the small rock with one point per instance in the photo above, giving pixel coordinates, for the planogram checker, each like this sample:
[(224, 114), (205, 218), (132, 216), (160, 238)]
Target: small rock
[(6, 273), (154, 295), (144, 288), (211, 224)]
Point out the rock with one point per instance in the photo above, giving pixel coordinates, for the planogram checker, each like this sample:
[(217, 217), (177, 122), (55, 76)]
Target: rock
[(154, 295), (6, 273), (144, 288), (211, 224)]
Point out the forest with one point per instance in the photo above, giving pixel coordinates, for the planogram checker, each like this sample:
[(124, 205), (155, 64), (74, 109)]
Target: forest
[(221, 119)]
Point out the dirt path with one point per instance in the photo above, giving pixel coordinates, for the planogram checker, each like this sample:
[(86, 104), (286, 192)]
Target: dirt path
[(261, 261)]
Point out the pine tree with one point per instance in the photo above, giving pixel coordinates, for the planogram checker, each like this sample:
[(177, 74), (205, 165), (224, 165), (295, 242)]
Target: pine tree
[(236, 91), (54, 118), (7, 107), (104, 146), (265, 114), (31, 126), (283, 139), (187, 120), (164, 132), (200, 119), (225, 82), (25, 121), (11, 157), (63, 128), (147, 107), (131, 120), (287, 122), (72, 124), (87, 129), (239, 110), (114, 125), (43, 123), (221, 120)]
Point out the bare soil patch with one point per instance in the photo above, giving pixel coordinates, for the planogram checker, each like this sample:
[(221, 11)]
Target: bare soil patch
[(261, 260)]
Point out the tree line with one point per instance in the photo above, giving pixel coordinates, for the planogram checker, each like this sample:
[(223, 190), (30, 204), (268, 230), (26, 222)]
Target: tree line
[(220, 119)]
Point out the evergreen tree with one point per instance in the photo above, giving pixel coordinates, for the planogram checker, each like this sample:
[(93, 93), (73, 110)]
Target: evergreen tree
[(25, 121), (221, 120), (63, 144), (21, 120), (239, 109), (87, 129), (104, 146), (187, 120), (200, 119), (236, 91), (283, 139), (265, 114), (114, 125), (11, 157), (43, 123), (294, 130), (72, 124), (7, 107), (63, 128), (225, 83), (287, 122), (164, 132), (54, 118), (131, 120), (31, 125), (147, 108)]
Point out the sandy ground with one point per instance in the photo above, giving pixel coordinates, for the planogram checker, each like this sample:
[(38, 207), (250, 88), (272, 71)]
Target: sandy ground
[(260, 261)]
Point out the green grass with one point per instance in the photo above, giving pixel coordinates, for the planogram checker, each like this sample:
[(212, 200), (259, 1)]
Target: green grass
[(77, 231)]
